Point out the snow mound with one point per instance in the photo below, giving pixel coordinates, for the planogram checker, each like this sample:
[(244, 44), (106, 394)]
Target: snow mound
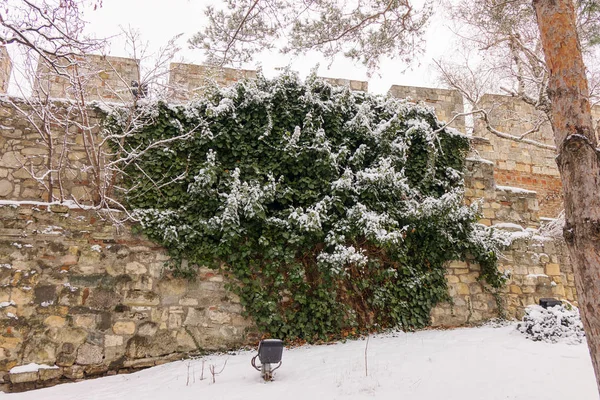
[(554, 325)]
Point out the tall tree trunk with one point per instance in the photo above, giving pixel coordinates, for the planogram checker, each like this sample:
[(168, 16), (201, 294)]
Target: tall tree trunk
[(577, 158)]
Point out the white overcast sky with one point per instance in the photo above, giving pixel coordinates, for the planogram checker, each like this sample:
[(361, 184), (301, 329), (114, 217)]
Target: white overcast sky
[(158, 21)]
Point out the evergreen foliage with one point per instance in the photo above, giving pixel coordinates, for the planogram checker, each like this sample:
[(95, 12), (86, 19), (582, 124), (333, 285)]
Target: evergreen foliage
[(332, 210)]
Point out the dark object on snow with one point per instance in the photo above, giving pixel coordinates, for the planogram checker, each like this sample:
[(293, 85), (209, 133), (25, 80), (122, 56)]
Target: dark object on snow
[(550, 302), (269, 352)]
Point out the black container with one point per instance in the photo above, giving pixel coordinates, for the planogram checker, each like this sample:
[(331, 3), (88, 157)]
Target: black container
[(270, 351), (550, 302)]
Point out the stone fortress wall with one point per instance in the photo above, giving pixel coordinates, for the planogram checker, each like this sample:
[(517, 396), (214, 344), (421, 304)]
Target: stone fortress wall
[(78, 294), (516, 164), (101, 77)]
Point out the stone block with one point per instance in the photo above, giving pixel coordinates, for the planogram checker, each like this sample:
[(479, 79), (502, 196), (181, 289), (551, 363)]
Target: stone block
[(489, 213), (113, 340), (140, 363), (45, 294), (24, 377), (147, 329), (516, 289), (559, 290), (55, 321), (528, 289), (172, 286), (196, 317), (74, 372), (95, 370), (70, 335), (143, 346), (469, 278), (65, 359), (135, 268), (475, 288), (175, 320), (6, 188), (21, 297), (224, 318), (89, 354), (47, 374), (124, 328), (462, 289), (103, 298), (87, 321), (552, 269), (139, 298), (11, 159)]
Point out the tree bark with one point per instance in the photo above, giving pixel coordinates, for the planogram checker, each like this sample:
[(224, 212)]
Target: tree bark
[(577, 158)]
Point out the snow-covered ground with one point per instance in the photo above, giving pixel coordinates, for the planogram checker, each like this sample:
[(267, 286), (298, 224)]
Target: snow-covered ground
[(463, 364)]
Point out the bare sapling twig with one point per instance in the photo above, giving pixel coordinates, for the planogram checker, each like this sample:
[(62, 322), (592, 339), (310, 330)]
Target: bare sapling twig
[(366, 356), (202, 373), (213, 371), (187, 382)]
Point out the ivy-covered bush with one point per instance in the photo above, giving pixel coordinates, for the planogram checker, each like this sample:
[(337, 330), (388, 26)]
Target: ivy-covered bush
[(331, 210)]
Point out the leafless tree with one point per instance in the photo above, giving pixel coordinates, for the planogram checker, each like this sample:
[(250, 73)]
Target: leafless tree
[(53, 29), (68, 127), (50, 31), (501, 52)]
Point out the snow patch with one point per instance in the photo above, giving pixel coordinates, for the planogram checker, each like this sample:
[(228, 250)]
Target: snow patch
[(401, 365), (7, 304), (52, 230), (479, 160), (515, 189), (536, 276), (71, 288), (67, 203), (32, 367), (509, 227)]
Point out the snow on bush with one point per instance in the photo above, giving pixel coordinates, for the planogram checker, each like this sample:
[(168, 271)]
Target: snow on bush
[(350, 204), (554, 324)]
